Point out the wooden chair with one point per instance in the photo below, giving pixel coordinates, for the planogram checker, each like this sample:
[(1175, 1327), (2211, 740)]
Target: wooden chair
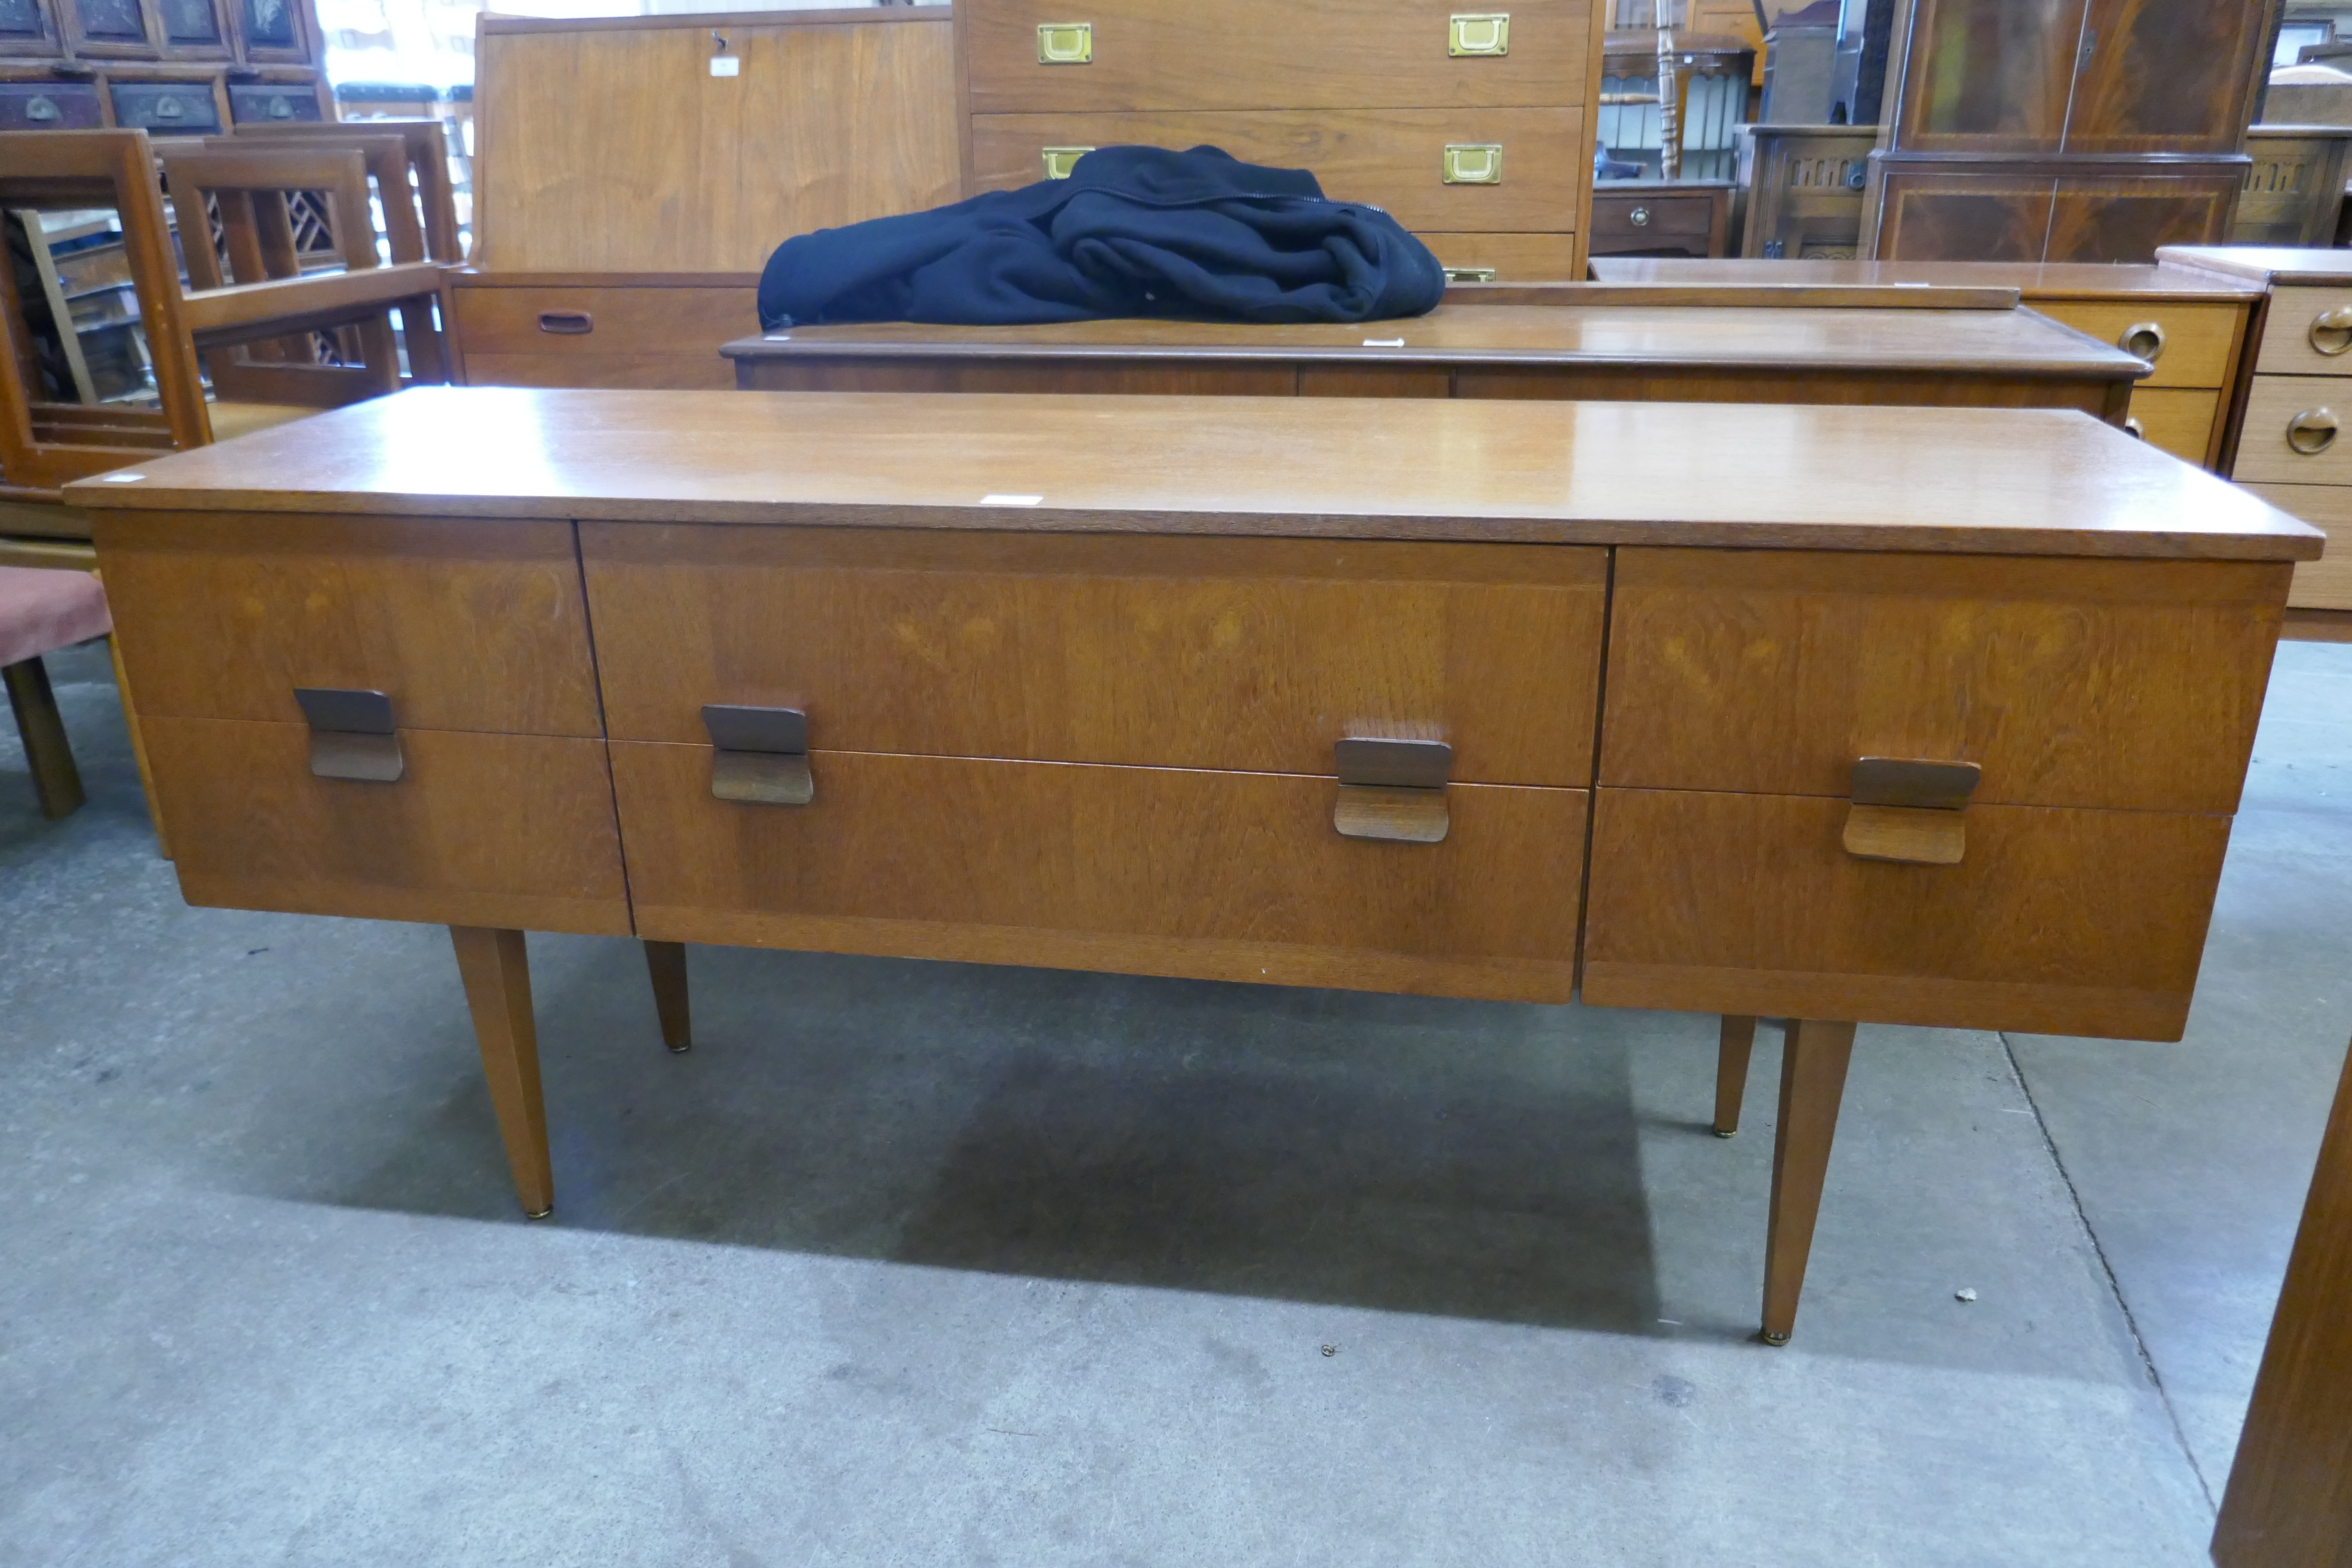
[(424, 149), (41, 612)]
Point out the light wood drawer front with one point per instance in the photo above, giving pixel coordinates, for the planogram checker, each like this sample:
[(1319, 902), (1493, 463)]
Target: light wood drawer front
[(706, 371), (2287, 347), (2179, 422), (2071, 922), (1220, 876), (2325, 584), (2283, 409), (465, 624), (1512, 257), (490, 830), (1393, 159), (673, 324), (1233, 54), (2078, 683), (1169, 652), (2198, 339)]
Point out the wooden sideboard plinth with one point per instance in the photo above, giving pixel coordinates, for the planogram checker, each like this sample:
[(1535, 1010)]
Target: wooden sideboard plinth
[(1843, 715)]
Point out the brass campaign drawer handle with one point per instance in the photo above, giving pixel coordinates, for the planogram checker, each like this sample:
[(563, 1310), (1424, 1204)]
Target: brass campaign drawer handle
[(2331, 330), (2143, 339), (1066, 43), (1392, 790), (1473, 163), (1469, 274), (569, 323), (1060, 161), (759, 755), (1482, 33), (1909, 809), (352, 734), (2312, 432)]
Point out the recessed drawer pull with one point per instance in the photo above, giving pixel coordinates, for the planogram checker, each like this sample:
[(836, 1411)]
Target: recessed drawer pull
[(2143, 339), (1910, 810), (1473, 163), (569, 323), (1488, 33), (1393, 790), (2312, 432), (352, 734), (760, 755), (2134, 428), (1066, 43), (1469, 274), (2331, 330)]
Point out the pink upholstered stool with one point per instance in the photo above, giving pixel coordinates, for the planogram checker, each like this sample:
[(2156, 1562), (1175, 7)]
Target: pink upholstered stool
[(40, 612)]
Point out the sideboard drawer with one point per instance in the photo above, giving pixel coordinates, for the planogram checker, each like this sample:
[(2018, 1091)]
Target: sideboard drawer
[(486, 830), (1146, 650), (1392, 158), (1142, 870), (464, 625), (2070, 922), (2298, 431), (2195, 343), (553, 335), (1631, 218), (2077, 683), (1236, 54), (2305, 332)]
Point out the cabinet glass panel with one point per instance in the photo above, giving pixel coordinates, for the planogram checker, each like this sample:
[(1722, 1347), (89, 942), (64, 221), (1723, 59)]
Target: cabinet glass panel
[(190, 22), (269, 25), (20, 20), (114, 21)]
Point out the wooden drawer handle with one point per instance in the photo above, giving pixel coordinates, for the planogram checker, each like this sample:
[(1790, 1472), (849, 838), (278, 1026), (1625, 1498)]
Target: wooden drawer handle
[(1911, 810), (1392, 790), (352, 734), (568, 323), (2143, 339), (759, 755), (2312, 432), (2331, 330)]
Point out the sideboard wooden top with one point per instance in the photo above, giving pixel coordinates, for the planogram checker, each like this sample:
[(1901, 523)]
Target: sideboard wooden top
[(1979, 480), (2034, 280), (2260, 265), (2005, 342)]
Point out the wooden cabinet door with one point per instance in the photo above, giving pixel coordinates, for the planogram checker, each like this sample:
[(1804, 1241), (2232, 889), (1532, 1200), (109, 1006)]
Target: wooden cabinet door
[(2124, 217), (1988, 76), (2165, 75)]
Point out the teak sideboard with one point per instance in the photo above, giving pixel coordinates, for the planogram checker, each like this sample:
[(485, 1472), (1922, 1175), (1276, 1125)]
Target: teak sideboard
[(1834, 714)]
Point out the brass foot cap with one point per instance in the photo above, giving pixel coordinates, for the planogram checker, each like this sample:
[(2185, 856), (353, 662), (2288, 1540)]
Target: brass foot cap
[(542, 1213), (681, 1049), (1727, 1132), (1771, 1337)]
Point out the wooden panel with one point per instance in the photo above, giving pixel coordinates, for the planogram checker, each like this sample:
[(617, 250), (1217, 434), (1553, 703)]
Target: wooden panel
[(1733, 384), (1938, 216), (1232, 54), (2126, 218), (2066, 922), (1390, 158), (1196, 653), (2179, 421), (494, 830), (467, 626), (1516, 258), (1086, 377), (2287, 347), (2167, 76), (674, 322), (2289, 1503), (1986, 76), (1140, 870), (1315, 381), (2325, 584), (699, 372), (2294, 192), (617, 149), (2071, 683), (2200, 340), (2274, 406)]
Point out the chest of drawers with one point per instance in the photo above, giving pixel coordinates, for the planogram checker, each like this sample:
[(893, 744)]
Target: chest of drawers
[(1502, 699)]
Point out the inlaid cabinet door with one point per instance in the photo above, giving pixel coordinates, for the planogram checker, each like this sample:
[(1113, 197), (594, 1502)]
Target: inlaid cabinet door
[(2165, 75), (1988, 76)]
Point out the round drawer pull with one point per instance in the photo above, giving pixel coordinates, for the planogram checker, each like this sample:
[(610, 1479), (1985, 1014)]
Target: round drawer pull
[(1639, 218), (2331, 330), (41, 108), (2311, 431), (2143, 339), (2134, 428)]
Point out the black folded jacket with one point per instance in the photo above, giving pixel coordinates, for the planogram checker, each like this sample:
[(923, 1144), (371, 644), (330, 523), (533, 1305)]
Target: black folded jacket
[(1134, 231)]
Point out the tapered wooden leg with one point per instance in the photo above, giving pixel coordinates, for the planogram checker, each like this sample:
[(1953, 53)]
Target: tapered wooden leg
[(665, 962), (1731, 1071), (139, 748), (498, 993), (56, 782), (1812, 1081)]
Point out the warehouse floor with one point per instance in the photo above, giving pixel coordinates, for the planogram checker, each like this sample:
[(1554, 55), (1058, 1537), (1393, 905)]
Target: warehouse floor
[(912, 1263)]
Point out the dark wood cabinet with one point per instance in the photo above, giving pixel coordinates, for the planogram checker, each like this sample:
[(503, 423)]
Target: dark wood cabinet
[(172, 66)]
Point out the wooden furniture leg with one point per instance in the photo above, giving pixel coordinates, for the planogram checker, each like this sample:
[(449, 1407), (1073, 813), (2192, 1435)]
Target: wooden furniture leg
[(498, 993), (1731, 1073), (665, 962), (56, 781), (2290, 1499), (1812, 1081), (139, 749)]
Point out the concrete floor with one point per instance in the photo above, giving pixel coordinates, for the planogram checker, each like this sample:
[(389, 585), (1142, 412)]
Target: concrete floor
[(914, 1263)]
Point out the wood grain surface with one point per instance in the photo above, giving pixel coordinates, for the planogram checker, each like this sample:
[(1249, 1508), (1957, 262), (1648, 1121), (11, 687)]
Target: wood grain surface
[(493, 830), (675, 322), (2037, 282), (1138, 870), (495, 968), (2325, 584), (2184, 423), (2200, 340), (2077, 683), (1194, 653), (1514, 257), (2272, 408), (464, 625), (2057, 922), (1974, 480), (2287, 347)]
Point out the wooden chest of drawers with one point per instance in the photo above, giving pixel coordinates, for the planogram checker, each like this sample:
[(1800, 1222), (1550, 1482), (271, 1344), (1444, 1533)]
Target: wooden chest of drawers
[(655, 331), (1288, 690), (1474, 130)]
